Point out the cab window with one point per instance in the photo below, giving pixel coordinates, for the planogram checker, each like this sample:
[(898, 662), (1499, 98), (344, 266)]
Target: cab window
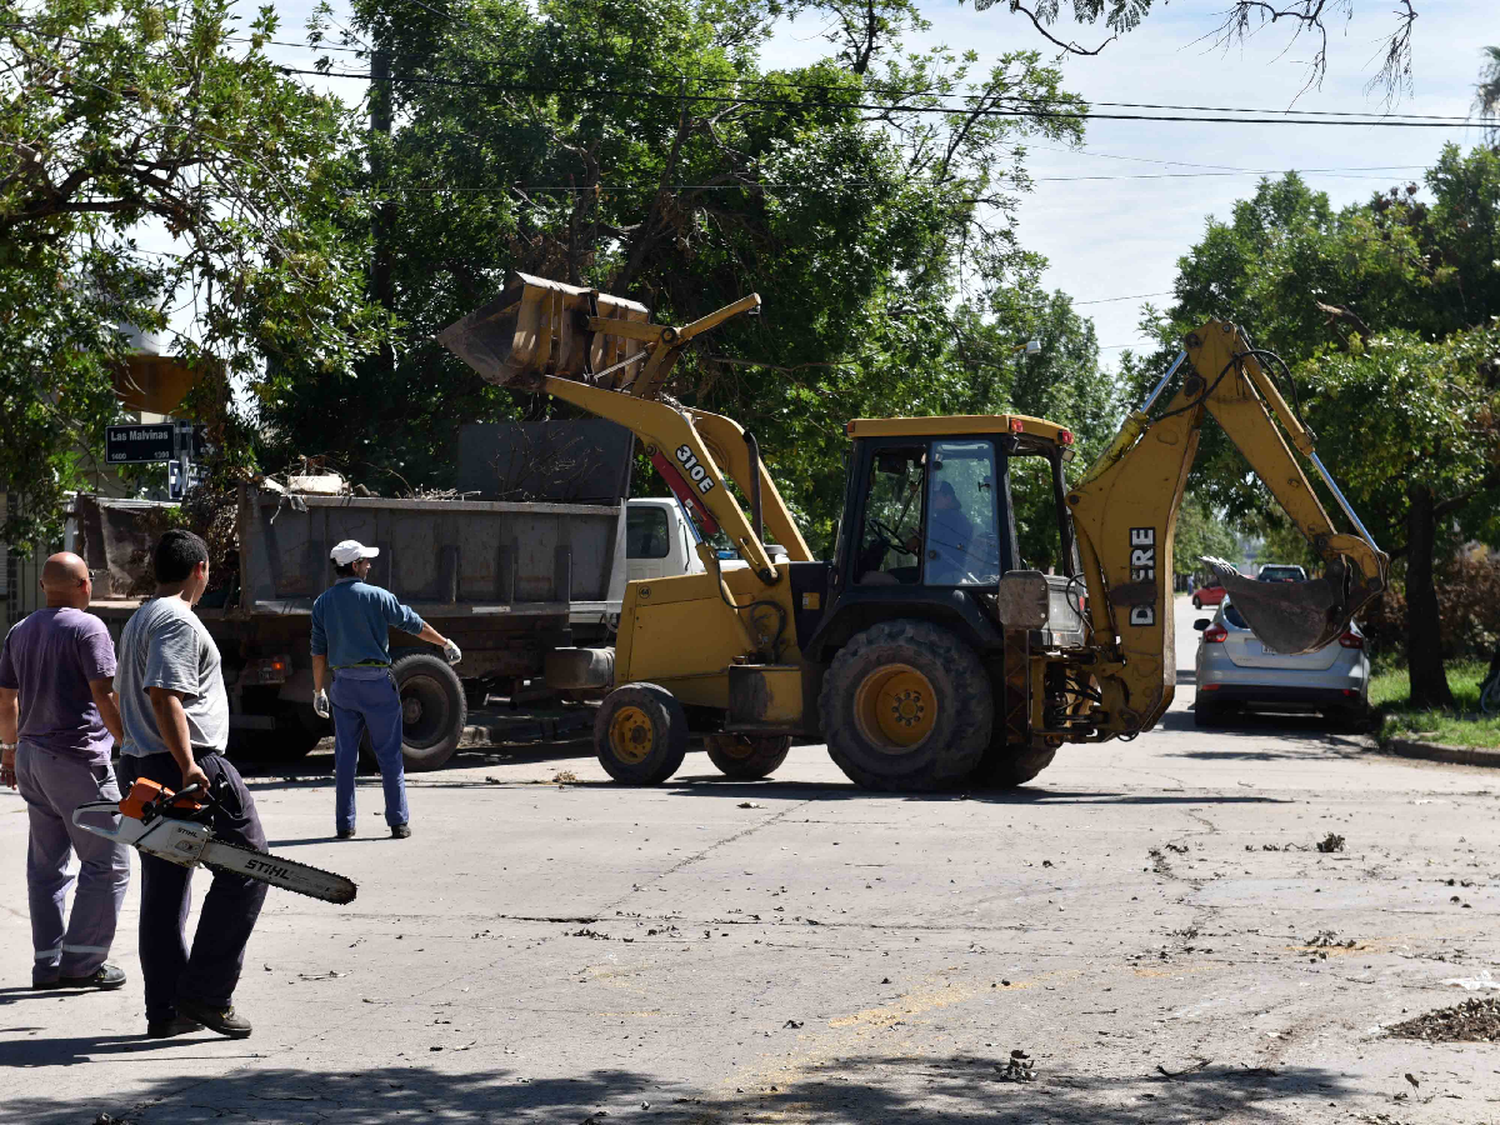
[(961, 546), (892, 528), (646, 533)]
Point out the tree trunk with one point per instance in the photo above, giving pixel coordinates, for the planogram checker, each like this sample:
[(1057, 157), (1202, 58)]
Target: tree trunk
[(1424, 640)]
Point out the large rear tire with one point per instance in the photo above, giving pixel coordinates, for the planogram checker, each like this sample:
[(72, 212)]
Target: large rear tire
[(433, 710), (640, 734), (1005, 767), (906, 705), (747, 757)]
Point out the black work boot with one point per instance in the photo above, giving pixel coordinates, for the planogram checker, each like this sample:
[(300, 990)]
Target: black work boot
[(225, 1021), (105, 978), (169, 1028)]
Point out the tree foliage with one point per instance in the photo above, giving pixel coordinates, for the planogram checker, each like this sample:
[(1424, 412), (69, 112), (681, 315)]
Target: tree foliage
[(122, 117), (646, 151)]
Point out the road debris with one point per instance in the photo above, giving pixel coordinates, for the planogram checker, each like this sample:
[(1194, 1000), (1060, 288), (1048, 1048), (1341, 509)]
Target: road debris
[(1332, 842), (1474, 984), (1327, 939), (794, 1024), (1020, 1068), (1473, 1021), (565, 777), (749, 805)]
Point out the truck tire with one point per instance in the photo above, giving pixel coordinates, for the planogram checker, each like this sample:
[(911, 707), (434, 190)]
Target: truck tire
[(433, 710), (1005, 767), (747, 757), (906, 706), (640, 734)]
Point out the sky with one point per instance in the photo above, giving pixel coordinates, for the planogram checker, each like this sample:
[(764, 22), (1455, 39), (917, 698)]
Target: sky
[(1114, 217)]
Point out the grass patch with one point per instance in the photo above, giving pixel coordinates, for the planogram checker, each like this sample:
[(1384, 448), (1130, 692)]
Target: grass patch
[(1390, 691)]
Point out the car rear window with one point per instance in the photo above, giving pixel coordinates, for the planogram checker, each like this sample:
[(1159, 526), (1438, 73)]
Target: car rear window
[(1232, 616), (1281, 573)]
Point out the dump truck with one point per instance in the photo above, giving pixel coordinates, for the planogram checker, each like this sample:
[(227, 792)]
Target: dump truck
[(924, 652), (509, 581)]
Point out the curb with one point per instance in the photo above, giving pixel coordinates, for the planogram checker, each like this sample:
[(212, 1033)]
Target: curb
[(1434, 752)]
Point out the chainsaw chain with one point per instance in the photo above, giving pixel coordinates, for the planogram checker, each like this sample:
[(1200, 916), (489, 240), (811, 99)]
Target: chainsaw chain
[(297, 862)]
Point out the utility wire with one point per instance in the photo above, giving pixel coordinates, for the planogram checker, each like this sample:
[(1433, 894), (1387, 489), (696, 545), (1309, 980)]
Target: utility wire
[(983, 111)]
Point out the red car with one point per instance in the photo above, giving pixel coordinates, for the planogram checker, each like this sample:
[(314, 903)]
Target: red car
[(1207, 595)]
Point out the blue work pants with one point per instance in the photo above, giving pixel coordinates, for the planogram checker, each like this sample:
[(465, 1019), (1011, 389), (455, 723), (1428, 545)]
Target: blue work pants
[(366, 699)]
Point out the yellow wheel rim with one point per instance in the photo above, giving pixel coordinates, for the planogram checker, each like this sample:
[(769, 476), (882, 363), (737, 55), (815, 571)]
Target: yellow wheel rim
[(631, 736), (895, 708)]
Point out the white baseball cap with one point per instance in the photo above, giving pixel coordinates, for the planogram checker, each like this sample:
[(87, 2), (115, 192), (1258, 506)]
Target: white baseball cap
[(351, 550)]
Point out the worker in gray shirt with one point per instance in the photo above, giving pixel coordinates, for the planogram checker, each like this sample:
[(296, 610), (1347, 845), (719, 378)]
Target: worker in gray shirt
[(176, 719), (351, 623)]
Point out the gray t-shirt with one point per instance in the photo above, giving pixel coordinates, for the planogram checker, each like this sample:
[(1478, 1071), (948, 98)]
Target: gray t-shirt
[(165, 645)]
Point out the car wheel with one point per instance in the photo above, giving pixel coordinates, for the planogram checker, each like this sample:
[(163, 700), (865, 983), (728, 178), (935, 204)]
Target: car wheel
[(1197, 602), (1206, 714)]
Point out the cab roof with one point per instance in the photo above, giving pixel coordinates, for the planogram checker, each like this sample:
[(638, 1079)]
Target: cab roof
[(959, 424)]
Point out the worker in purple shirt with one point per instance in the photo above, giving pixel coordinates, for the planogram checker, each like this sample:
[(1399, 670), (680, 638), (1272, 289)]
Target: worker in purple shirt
[(58, 723), (350, 636)]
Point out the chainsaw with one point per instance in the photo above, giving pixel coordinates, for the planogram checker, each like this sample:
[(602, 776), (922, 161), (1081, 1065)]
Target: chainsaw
[(171, 826)]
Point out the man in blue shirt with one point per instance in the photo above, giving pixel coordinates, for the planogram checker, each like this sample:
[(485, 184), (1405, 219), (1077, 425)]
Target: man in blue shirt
[(349, 635)]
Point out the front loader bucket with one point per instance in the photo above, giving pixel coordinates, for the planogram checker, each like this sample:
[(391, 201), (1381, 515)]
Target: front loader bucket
[(540, 327), (1296, 617)]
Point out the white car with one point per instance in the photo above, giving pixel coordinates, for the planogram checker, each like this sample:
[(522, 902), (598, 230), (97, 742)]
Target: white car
[(1234, 670)]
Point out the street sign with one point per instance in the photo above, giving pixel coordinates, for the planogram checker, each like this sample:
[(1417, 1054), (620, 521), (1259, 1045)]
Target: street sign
[(176, 489), (141, 444), (153, 442)]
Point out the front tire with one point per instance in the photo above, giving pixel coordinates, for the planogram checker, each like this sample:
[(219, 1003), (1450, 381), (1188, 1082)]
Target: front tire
[(906, 705), (640, 734), (747, 757), (1197, 602)]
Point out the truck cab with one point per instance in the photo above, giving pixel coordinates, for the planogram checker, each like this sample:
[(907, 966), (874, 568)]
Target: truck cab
[(658, 540)]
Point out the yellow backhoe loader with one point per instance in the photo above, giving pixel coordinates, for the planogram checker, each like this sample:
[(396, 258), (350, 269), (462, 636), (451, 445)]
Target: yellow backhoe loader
[(924, 653)]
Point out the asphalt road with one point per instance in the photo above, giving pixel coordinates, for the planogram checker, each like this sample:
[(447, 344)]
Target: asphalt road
[(1150, 923)]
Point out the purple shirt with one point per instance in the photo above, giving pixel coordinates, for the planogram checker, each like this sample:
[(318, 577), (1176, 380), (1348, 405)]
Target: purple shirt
[(50, 657)]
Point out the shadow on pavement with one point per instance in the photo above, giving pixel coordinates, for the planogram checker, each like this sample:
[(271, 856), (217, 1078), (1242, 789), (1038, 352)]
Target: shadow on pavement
[(1034, 793), (83, 1048), (848, 1090)]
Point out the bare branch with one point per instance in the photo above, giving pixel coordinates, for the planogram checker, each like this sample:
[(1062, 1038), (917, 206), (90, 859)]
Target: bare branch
[(1070, 48)]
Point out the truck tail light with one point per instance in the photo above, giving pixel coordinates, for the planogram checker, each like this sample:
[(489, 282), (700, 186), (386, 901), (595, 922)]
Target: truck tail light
[(1351, 639), (1017, 426), (1064, 437), (1215, 634)]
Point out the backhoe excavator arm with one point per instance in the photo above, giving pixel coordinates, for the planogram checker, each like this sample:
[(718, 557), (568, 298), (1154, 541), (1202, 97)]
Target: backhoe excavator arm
[(1125, 516)]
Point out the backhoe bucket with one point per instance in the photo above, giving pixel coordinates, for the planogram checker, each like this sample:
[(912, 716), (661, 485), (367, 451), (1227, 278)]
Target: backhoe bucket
[(1296, 617), (539, 327)]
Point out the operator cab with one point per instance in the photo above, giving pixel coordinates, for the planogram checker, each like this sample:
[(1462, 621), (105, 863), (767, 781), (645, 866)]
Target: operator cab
[(931, 502)]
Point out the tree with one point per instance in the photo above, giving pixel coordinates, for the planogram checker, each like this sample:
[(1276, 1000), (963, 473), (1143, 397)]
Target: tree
[(1383, 312), (1241, 20), (648, 153), (1487, 92), (122, 117)]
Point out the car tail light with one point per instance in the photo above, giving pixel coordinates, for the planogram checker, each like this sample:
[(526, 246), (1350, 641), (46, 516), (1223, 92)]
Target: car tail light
[(1351, 639), (1215, 634)]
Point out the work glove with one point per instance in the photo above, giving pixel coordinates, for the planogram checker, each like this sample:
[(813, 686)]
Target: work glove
[(451, 653), (320, 704)]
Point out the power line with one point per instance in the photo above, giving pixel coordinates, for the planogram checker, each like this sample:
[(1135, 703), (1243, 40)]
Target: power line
[(1132, 297), (984, 111)]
